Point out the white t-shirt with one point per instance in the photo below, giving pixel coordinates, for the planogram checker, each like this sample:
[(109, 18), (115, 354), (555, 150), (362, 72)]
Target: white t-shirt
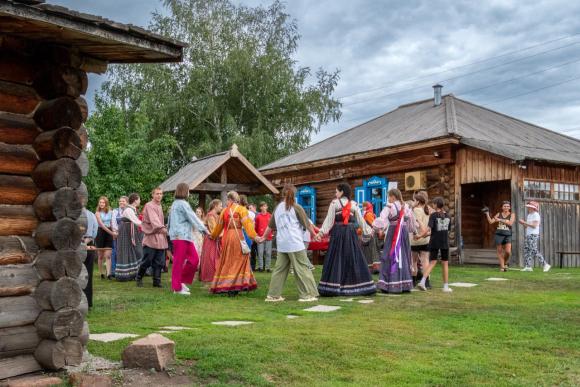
[(289, 232), (533, 217)]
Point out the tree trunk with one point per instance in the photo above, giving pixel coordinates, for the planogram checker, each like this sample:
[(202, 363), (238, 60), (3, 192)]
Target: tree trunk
[(73, 351), (83, 278), (17, 68), (84, 306), (52, 175), (51, 354), (17, 190), (83, 162), (54, 205), (18, 365), (17, 159), (55, 295), (84, 108), (18, 280), (57, 81), (18, 341), (57, 113), (85, 333), (62, 234), (17, 220), (52, 265), (15, 98), (84, 135), (18, 311), (59, 324), (17, 129), (54, 144), (16, 250)]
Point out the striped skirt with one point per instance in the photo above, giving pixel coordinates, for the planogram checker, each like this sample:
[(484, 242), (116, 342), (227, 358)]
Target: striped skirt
[(129, 251)]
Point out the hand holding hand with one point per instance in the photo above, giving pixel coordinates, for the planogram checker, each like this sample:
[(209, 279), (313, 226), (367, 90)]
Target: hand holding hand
[(521, 221), (318, 237)]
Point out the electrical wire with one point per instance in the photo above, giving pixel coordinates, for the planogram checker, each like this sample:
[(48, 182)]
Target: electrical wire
[(534, 90), (465, 65)]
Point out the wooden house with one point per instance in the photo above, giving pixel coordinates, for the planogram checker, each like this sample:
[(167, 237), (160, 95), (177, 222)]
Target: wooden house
[(468, 154), (45, 54)]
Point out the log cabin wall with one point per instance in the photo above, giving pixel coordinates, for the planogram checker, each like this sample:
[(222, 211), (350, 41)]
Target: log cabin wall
[(560, 219), (42, 306), (440, 173)]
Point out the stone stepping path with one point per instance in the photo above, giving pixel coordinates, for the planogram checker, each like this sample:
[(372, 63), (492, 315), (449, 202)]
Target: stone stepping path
[(496, 279), (175, 328), (112, 336), (462, 284), (323, 308), (292, 316), (366, 301), (166, 332), (347, 300), (232, 323)]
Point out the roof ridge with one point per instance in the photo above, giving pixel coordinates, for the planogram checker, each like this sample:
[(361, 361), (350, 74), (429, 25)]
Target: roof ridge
[(550, 131)]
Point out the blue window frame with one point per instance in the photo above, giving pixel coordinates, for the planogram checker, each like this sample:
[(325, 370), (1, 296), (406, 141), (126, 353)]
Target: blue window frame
[(306, 197), (373, 190)]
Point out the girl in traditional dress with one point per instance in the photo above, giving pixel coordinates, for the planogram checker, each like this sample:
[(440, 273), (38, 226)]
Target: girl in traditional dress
[(420, 246), (234, 273), (197, 236), (211, 247), (370, 244), (129, 242), (395, 274), (345, 271), (105, 234)]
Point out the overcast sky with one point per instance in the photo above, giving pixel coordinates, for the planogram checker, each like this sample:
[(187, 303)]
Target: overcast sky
[(521, 58)]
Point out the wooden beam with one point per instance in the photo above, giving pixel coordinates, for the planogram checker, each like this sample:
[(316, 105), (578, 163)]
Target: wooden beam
[(359, 156), (224, 181), (219, 187)]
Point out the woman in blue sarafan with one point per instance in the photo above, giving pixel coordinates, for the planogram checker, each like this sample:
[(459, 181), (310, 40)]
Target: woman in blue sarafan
[(345, 271)]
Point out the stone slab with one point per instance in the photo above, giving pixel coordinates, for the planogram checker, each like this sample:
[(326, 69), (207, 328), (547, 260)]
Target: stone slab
[(366, 301), (347, 300), (323, 308), (33, 381), (79, 379), (175, 328), (232, 323), (462, 284), (496, 279), (292, 316), (111, 336)]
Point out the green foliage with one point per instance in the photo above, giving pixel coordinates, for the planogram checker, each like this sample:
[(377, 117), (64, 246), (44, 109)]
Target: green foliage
[(123, 155), (238, 83)]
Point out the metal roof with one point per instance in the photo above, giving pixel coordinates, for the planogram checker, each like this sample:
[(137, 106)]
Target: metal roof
[(94, 36), (472, 124), (207, 169)]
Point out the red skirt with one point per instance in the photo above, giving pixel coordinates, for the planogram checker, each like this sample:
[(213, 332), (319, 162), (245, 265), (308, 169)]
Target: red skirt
[(210, 255)]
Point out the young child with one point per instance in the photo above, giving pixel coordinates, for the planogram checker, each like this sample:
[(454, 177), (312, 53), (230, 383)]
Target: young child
[(264, 249), (438, 230)]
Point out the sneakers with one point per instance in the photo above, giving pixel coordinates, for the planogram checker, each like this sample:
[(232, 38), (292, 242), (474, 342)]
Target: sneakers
[(185, 288), (274, 299), (447, 290), (547, 267), (421, 286), (527, 268), (308, 299), (182, 293)]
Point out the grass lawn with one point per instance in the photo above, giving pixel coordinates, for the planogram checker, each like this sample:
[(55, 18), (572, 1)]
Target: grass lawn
[(524, 331)]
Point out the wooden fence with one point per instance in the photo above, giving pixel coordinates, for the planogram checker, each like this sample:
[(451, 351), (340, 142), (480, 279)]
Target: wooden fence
[(560, 231)]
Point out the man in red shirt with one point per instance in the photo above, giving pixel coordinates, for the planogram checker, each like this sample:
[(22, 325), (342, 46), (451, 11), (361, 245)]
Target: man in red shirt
[(265, 248)]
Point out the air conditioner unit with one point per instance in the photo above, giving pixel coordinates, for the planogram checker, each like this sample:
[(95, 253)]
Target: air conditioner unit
[(415, 181)]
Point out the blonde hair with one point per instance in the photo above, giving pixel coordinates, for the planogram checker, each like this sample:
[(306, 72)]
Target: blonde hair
[(107, 206), (233, 196)]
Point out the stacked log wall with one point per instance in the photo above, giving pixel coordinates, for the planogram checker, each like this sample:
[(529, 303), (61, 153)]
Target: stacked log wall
[(42, 306)]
